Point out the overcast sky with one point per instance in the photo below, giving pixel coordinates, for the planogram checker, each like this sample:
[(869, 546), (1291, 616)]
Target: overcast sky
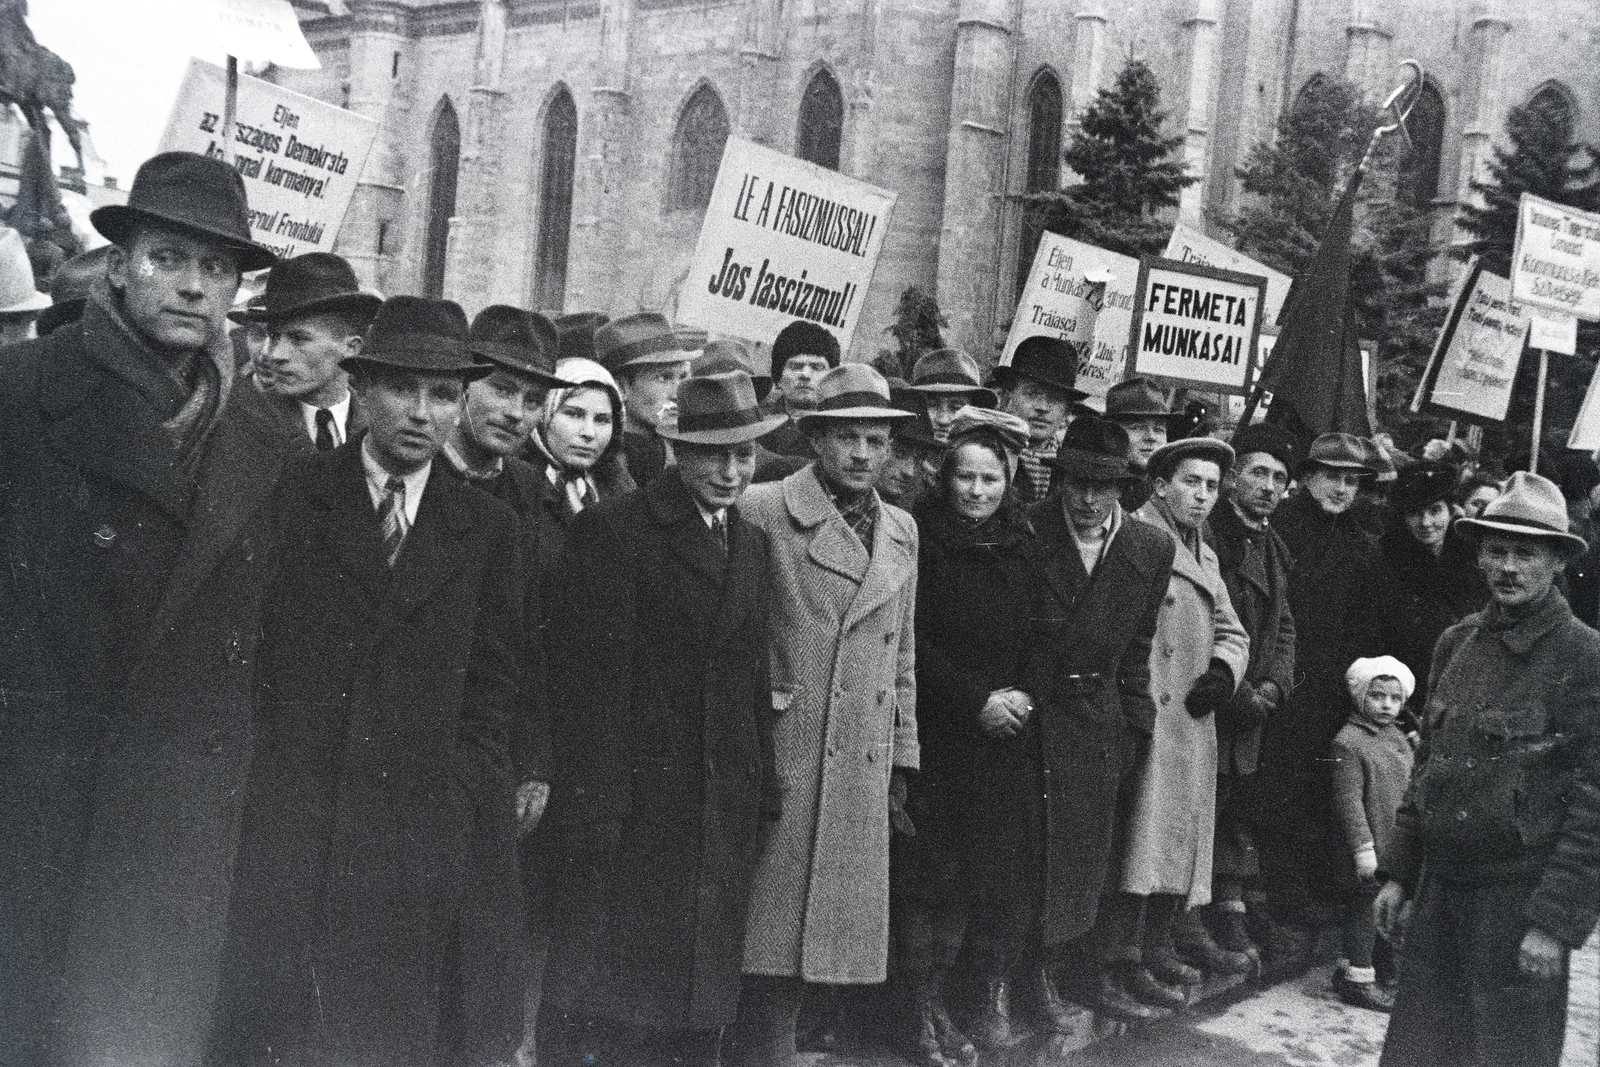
[(129, 56)]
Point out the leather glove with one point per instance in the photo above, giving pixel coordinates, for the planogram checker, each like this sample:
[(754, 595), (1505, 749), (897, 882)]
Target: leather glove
[(1212, 690), (899, 821)]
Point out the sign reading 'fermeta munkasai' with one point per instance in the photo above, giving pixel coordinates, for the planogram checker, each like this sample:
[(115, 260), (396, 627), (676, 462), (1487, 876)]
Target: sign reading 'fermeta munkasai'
[(1196, 325)]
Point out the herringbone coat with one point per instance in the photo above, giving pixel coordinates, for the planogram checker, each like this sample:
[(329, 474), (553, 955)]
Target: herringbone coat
[(843, 654)]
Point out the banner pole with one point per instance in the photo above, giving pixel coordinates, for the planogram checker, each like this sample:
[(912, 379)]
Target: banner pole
[(1538, 411), (1450, 439), (230, 107)]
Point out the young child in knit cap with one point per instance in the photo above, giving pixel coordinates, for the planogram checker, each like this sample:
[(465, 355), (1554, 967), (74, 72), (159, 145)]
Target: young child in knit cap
[(1372, 760)]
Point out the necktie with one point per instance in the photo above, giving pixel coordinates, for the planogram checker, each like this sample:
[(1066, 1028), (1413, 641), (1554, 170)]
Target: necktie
[(719, 530), (325, 442), (393, 514)]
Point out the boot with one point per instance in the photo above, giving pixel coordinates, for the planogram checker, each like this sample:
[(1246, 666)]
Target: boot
[(992, 1027), (922, 1039), (1117, 1002), (1145, 986), (1162, 961), (1232, 934), (1194, 944), (1366, 994), (1062, 1015), (952, 1042)]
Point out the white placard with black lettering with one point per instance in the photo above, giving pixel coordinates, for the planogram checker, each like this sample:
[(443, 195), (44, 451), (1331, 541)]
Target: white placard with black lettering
[(1195, 325), (1188, 245), (1083, 294), (1556, 261), (299, 157), (1475, 358), (783, 240)]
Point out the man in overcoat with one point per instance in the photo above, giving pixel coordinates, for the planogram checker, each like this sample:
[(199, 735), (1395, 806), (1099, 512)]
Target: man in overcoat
[(662, 749), (1255, 565), (125, 635), (1089, 679), (376, 910), (1040, 385), (1494, 863), (1335, 601), (843, 579), (1199, 656)]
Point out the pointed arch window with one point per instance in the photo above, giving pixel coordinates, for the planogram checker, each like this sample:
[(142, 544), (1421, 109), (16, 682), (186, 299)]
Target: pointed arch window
[(697, 151), (559, 153), (821, 122), (1419, 174), (1043, 171), (445, 161)]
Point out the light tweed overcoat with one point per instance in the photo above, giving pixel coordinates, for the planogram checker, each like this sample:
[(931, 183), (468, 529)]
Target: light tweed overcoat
[(1170, 831), (842, 679)]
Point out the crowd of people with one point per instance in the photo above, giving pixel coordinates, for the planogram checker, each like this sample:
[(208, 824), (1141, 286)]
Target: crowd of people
[(384, 688)]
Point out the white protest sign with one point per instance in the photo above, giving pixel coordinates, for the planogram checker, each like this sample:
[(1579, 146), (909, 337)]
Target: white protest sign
[(1195, 325), (783, 240), (1475, 358), (298, 156), (1551, 330), (1556, 262), (1083, 294), (1189, 245), (262, 30)]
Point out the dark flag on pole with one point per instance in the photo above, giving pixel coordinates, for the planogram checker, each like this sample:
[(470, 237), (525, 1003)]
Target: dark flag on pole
[(1314, 372)]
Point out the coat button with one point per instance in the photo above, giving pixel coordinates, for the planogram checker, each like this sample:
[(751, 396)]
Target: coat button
[(1461, 816), (883, 695), (872, 757), (832, 752), (1166, 698), (105, 537)]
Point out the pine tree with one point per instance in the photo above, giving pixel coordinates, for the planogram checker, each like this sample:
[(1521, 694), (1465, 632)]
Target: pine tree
[(1542, 160), (1130, 175), (916, 326)]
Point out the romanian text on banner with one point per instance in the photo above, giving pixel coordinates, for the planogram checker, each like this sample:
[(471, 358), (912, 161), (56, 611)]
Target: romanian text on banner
[(299, 157), (1196, 325), (1556, 262), (1553, 331), (1083, 294), (783, 240), (1189, 245), (1475, 358)]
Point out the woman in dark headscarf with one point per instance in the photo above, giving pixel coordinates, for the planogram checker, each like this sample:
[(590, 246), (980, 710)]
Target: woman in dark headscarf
[(975, 575), (1431, 580)]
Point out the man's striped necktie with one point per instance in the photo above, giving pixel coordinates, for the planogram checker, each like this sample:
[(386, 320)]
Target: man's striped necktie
[(393, 514)]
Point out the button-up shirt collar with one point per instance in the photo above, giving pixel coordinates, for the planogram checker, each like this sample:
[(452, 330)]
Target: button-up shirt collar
[(378, 482)]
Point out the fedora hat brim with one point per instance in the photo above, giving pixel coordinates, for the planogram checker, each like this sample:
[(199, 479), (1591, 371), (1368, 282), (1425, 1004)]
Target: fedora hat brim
[(360, 303), (1004, 377), (507, 356), (37, 302), (1571, 543), (1094, 467), (668, 355), (983, 397), (422, 360), (729, 435), (113, 221), (864, 412)]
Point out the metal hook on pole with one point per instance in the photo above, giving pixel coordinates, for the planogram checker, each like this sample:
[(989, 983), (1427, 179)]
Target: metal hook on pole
[(1413, 85)]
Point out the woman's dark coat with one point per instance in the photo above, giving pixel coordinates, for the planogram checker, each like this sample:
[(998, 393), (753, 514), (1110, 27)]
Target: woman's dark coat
[(377, 910), (1089, 674), (1423, 596), (662, 759), (976, 588)]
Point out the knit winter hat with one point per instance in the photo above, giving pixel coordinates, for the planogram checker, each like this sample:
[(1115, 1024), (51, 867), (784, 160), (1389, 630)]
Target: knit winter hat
[(1363, 671)]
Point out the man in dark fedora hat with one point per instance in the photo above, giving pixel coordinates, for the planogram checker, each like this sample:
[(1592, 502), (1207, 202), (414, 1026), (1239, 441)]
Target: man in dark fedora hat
[(648, 361), (728, 354), (1492, 865), (1144, 409), (664, 781), (1085, 717), (126, 722), (376, 909), (842, 580), (912, 470), (316, 316), (1040, 385), (948, 380)]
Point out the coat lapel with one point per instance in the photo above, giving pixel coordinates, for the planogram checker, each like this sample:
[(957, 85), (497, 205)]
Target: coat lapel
[(832, 543), (1184, 563), (892, 563), (1063, 571), (687, 534), (742, 577), (431, 552), (343, 519)]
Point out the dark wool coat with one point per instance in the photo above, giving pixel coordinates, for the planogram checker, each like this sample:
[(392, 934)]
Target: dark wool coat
[(976, 590), (1336, 604), (127, 629), (1089, 675), (1423, 596), (376, 865), (662, 753), (1255, 566)]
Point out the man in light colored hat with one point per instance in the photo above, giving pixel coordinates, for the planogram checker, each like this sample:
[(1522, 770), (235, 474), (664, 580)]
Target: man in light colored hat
[(1333, 596), (1040, 385), (377, 906), (1494, 863), (1198, 659), (648, 361), (127, 714), (948, 380), (842, 578), (662, 730), (20, 300)]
